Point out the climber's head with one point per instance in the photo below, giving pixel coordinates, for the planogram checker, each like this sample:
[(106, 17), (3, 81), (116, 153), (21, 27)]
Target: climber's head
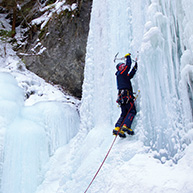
[(120, 66)]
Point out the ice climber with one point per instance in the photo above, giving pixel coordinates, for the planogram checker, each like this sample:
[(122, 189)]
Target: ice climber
[(125, 97)]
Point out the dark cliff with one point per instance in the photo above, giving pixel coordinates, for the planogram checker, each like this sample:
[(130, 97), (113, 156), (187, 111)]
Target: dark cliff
[(57, 51)]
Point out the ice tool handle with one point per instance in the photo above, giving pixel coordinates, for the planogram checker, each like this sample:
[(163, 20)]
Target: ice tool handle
[(136, 59)]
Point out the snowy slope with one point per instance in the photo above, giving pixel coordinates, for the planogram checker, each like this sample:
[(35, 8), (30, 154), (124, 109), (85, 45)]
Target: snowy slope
[(158, 158)]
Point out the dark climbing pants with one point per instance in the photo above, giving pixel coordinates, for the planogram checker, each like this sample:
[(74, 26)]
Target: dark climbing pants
[(126, 118)]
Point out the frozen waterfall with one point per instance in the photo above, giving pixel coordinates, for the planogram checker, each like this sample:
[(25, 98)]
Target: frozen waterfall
[(29, 136), (47, 148), (161, 32)]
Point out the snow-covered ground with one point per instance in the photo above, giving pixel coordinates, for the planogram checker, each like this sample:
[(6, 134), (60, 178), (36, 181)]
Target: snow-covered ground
[(47, 147)]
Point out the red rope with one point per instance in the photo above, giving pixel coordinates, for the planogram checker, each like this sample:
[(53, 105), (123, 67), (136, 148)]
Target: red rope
[(101, 164), (110, 147)]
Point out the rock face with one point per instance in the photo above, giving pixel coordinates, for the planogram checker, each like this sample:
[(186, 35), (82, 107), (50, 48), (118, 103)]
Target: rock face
[(60, 49)]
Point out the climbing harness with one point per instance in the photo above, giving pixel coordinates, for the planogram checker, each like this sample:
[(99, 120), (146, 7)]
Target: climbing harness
[(111, 144), (124, 96)]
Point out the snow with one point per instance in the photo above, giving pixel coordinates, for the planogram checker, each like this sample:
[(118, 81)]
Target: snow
[(47, 146), (49, 10)]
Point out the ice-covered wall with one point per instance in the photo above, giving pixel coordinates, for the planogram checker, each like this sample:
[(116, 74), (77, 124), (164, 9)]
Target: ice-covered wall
[(187, 61), (166, 113), (29, 136), (162, 33), (106, 38)]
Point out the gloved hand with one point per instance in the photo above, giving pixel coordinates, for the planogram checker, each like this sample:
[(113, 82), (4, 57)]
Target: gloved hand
[(135, 66), (126, 55)]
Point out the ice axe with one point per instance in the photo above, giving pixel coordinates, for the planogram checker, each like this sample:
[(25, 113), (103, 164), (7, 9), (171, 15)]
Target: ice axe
[(118, 58), (123, 58)]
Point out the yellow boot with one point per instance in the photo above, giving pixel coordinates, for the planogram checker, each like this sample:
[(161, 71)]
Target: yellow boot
[(127, 129), (117, 130)]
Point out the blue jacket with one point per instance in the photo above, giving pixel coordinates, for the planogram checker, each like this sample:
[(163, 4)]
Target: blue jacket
[(124, 78)]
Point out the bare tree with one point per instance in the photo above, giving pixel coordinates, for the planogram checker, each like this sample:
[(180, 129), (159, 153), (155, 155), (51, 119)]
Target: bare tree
[(11, 5)]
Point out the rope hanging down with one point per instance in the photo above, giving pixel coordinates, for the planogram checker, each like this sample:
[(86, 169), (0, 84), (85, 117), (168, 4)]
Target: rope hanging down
[(111, 145)]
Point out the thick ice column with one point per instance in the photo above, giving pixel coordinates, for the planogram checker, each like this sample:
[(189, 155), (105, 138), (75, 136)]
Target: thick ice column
[(31, 139), (25, 156), (187, 61), (29, 136), (60, 121), (160, 76), (109, 22)]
